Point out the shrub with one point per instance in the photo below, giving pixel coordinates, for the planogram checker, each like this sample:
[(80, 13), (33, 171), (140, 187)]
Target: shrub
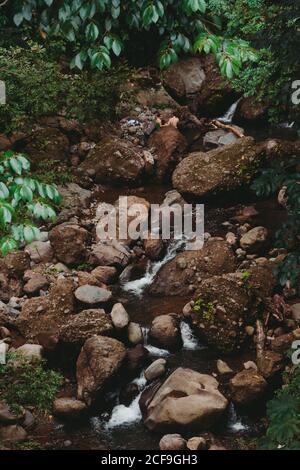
[(25, 382), (283, 413), (23, 199), (36, 87), (101, 29), (270, 182)]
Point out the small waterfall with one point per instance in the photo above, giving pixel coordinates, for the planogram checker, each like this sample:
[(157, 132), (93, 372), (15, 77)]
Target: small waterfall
[(153, 351), (127, 415), (138, 286), (235, 424), (286, 125), (229, 115), (190, 341)]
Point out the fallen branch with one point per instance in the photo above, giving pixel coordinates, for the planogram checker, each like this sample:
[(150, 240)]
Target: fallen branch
[(220, 125), (260, 339)]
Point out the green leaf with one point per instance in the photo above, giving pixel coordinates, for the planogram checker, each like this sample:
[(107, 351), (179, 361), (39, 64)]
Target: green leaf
[(7, 245), (18, 18), (117, 47), (92, 32), (26, 193), (4, 192), (16, 165)]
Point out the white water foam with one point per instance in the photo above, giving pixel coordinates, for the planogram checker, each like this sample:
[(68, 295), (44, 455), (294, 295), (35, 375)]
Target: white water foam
[(235, 424), (138, 286), (153, 350), (127, 415), (190, 341), (229, 115)]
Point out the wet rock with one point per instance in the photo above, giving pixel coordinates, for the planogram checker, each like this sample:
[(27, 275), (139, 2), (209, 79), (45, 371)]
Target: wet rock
[(223, 368), (197, 443), (247, 386), (197, 82), (270, 363), (251, 110), (40, 252), (223, 307), (135, 334), (35, 284), (156, 369), (29, 421), (42, 317), (114, 160), (223, 169), (119, 317), (100, 358), (254, 240), (186, 399), (219, 138), (47, 144), (190, 268), (31, 352), (105, 274), (169, 145), (68, 408), (153, 248), (129, 393), (172, 442), (92, 295), (68, 242), (136, 359), (165, 332), (13, 433), (82, 326), (110, 253)]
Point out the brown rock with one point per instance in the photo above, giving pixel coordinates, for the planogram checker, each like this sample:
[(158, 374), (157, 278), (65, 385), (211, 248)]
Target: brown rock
[(47, 144), (68, 408), (42, 317), (78, 328), (186, 399), (68, 242), (191, 267), (99, 359), (115, 160), (247, 386), (270, 363), (165, 332), (172, 442)]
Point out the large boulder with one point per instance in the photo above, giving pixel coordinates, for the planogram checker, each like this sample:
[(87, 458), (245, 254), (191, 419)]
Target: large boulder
[(224, 306), (254, 240), (187, 399), (109, 253), (247, 386), (47, 144), (114, 160), (41, 317), (170, 146), (99, 359), (92, 295), (185, 272), (78, 328), (251, 110), (223, 169), (165, 332), (68, 242), (197, 82)]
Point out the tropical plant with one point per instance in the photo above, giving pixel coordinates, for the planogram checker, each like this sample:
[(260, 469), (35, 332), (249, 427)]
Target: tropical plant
[(101, 29), (283, 412), (23, 200), (283, 176)]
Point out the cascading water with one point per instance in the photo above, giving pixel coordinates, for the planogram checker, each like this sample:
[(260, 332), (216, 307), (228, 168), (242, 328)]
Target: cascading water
[(235, 424), (138, 286), (190, 341), (229, 115)]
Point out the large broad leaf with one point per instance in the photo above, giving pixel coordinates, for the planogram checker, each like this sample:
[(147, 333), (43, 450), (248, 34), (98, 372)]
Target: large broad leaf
[(4, 192)]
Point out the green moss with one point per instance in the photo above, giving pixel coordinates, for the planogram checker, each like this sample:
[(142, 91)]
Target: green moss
[(28, 445), (205, 309), (53, 172), (28, 383)]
